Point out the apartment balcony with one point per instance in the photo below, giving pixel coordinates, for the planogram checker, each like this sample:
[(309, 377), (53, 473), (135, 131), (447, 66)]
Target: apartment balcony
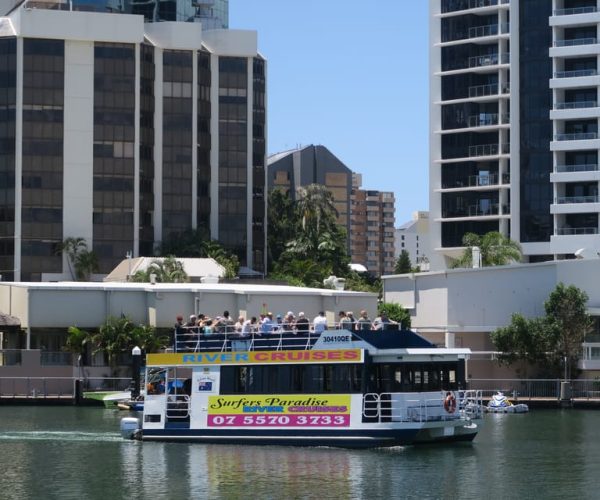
[(574, 47), (576, 16), (480, 34), (575, 110), (575, 173), (575, 205), (492, 89), (483, 6), (488, 119), (488, 150), (476, 183), (485, 63), (488, 60), (575, 231), (575, 79), (568, 240), (574, 142)]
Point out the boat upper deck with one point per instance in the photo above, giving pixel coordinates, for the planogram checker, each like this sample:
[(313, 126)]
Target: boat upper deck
[(188, 340)]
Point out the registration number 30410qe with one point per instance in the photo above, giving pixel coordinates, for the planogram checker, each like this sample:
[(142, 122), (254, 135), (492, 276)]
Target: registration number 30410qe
[(279, 420)]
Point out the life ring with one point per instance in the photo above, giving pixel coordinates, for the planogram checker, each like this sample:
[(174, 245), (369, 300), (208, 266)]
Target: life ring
[(450, 403)]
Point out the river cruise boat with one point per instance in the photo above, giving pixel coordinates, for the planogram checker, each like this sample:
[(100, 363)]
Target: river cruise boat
[(335, 388)]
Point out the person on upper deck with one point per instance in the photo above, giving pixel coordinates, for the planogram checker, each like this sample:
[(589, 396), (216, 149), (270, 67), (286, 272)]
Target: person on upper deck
[(238, 327), (320, 323), (382, 322), (344, 322), (363, 323), (249, 326), (227, 322), (288, 322), (302, 324), (266, 325), (352, 319)]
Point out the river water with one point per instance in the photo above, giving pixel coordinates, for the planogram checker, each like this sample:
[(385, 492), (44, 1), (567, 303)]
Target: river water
[(69, 452)]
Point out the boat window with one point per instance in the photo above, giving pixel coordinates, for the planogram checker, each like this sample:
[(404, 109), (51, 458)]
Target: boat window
[(413, 377), (291, 379)]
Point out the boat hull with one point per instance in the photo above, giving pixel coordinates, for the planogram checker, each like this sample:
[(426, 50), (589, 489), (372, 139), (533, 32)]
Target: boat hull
[(371, 438)]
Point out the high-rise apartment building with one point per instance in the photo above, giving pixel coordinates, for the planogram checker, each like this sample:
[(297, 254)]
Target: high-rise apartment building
[(124, 132), (514, 124), (372, 228)]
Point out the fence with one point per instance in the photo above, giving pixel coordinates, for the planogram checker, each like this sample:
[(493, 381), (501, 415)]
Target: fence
[(56, 387), (536, 388)]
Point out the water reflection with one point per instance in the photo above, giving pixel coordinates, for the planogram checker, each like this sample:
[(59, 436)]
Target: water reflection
[(73, 453)]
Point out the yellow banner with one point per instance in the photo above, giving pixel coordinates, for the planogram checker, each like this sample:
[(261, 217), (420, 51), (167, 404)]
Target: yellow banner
[(255, 357), (282, 404)]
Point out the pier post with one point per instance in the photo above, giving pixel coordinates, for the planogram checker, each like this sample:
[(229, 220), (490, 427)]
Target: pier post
[(136, 357)]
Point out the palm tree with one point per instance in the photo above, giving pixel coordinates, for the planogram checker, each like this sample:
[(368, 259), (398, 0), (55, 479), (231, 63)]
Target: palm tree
[(496, 250), (86, 263), (72, 247), (167, 270), (316, 207)]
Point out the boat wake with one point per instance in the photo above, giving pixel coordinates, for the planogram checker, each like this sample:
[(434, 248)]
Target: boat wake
[(59, 436)]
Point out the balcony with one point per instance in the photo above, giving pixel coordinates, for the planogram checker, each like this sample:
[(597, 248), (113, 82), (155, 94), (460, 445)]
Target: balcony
[(575, 10), (488, 60), (590, 167), (572, 231), (576, 73), (575, 105), (488, 150), (472, 4), (479, 211), (489, 30), (580, 136), (561, 200), (575, 42)]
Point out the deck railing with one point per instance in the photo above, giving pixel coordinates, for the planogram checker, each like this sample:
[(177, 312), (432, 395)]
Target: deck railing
[(527, 389)]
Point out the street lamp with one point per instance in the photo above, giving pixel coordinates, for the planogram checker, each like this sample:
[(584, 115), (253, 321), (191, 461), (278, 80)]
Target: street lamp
[(136, 362)]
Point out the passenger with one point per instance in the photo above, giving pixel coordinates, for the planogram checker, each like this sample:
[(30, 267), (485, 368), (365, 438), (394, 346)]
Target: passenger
[(364, 322), (227, 322), (239, 325), (320, 323), (278, 324), (382, 322), (266, 325), (208, 327), (302, 324), (192, 321), (249, 327), (288, 322), (352, 319), (345, 323)]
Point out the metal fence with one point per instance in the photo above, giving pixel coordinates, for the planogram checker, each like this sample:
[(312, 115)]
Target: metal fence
[(57, 387), (536, 388)]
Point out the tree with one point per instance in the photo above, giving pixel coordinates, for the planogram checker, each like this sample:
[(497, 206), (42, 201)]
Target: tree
[(197, 243), (71, 248), (282, 223), (550, 340), (496, 250), (167, 270), (77, 341), (86, 263), (568, 320), (403, 263), (396, 313)]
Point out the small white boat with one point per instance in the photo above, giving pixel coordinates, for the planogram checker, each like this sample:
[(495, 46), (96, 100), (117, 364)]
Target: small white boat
[(112, 400), (501, 404)]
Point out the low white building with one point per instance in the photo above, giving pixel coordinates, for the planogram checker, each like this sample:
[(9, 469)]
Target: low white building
[(460, 307)]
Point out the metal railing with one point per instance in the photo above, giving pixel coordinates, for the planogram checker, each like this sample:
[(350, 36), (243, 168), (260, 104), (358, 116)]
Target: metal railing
[(575, 10), (488, 30), (483, 90), (488, 149), (178, 407), (576, 73), (37, 387), (483, 120), (577, 199), (575, 105), (584, 167), (580, 136), (569, 231), (527, 389), (575, 41), (478, 211), (488, 60), (97, 384)]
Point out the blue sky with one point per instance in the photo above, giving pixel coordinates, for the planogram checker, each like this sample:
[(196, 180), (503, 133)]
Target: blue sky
[(353, 76)]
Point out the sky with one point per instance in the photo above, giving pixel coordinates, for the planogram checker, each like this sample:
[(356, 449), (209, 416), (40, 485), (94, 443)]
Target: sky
[(353, 76)]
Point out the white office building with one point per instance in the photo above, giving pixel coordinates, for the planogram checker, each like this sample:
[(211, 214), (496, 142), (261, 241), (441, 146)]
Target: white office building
[(125, 133)]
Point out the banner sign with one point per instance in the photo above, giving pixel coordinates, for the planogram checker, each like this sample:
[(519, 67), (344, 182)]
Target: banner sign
[(256, 357), (279, 411)]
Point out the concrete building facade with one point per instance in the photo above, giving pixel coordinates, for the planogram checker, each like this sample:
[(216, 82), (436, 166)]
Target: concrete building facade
[(461, 307), (372, 228), (413, 236), (514, 124), (124, 132)]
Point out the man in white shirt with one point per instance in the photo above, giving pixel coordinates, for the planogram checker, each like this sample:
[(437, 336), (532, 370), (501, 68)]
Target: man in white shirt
[(249, 326), (320, 322), (266, 325)]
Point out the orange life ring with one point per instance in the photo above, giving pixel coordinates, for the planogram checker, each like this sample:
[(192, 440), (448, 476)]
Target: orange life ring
[(450, 403)]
